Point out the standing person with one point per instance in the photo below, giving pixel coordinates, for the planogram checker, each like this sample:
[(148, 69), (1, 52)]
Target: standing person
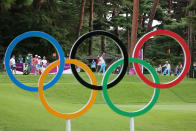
[(39, 65), (44, 64), (159, 69), (180, 68), (177, 70), (167, 68), (35, 62), (102, 63), (28, 62), (20, 59), (93, 66), (13, 64), (98, 63)]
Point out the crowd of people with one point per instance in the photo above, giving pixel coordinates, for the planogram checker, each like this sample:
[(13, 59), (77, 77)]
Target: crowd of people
[(166, 69), (100, 64), (38, 63)]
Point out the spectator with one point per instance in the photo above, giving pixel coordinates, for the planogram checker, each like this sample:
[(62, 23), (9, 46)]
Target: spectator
[(93, 66), (28, 62), (167, 68), (20, 59), (35, 62), (13, 64), (179, 69), (159, 69), (44, 63), (39, 65)]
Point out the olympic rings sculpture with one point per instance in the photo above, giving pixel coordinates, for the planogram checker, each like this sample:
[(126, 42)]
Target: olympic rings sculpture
[(125, 60)]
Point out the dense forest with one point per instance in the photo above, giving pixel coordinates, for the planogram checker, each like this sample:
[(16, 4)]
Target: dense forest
[(66, 20)]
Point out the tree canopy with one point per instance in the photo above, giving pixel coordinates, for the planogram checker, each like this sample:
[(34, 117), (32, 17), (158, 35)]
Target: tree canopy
[(65, 20)]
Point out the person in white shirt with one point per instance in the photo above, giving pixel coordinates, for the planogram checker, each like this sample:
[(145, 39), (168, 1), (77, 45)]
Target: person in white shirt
[(44, 63), (13, 64), (167, 68), (39, 65), (102, 63), (98, 63)]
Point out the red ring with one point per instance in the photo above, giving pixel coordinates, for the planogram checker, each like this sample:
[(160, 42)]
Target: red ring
[(186, 54)]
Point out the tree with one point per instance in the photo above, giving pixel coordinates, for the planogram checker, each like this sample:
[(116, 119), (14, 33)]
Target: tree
[(91, 26), (114, 14), (152, 15), (151, 18), (191, 34), (81, 17), (170, 6), (134, 26), (36, 4)]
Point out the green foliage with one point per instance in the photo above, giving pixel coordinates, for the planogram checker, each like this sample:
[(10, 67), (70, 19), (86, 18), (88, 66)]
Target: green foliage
[(60, 18), (54, 18), (157, 51)]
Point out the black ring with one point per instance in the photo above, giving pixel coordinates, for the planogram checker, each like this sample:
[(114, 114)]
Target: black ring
[(120, 45)]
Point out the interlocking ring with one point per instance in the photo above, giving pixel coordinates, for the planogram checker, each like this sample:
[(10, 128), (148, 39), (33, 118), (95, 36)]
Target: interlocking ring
[(119, 44), (27, 35), (186, 54), (148, 106), (91, 99)]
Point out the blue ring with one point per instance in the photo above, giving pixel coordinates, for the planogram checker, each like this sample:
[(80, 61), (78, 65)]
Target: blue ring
[(34, 34)]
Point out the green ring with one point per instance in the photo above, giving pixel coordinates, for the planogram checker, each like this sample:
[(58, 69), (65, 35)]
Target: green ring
[(148, 106)]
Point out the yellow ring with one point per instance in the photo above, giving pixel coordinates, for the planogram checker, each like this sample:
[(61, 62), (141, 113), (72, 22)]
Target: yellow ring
[(68, 115)]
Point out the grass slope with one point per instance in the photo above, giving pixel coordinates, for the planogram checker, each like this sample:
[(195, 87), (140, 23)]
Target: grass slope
[(22, 111)]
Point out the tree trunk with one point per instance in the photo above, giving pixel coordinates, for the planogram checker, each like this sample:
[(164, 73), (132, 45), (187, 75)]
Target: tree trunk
[(103, 43), (128, 42), (151, 18), (185, 12), (143, 22), (128, 37), (91, 27), (116, 28), (134, 26), (191, 44), (36, 4), (118, 35), (81, 17), (0, 6), (103, 39), (152, 14), (141, 18), (52, 10), (170, 6)]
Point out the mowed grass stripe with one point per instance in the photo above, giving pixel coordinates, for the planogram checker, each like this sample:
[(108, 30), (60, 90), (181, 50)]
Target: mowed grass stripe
[(22, 110)]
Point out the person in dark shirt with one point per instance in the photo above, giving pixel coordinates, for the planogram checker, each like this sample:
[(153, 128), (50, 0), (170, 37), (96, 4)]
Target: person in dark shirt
[(20, 59), (28, 60), (93, 66)]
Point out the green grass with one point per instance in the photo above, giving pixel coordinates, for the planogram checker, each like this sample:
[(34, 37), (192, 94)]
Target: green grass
[(22, 111)]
